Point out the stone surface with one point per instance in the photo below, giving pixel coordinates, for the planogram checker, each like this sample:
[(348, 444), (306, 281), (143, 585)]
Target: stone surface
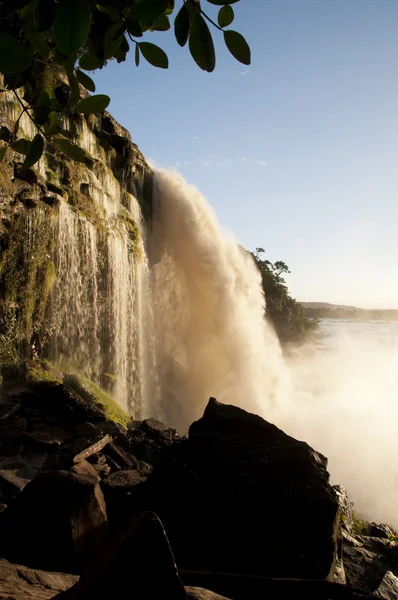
[(367, 560), (196, 593), (137, 559), (241, 496), (21, 583), (380, 530), (11, 484), (346, 507), (388, 588), (55, 522)]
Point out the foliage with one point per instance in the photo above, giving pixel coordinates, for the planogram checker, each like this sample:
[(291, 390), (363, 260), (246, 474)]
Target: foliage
[(359, 526), (69, 37), (284, 312)]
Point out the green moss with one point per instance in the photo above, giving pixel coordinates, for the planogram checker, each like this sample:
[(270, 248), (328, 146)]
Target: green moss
[(90, 391), (42, 370), (6, 175), (27, 274), (52, 187), (359, 526), (133, 232)]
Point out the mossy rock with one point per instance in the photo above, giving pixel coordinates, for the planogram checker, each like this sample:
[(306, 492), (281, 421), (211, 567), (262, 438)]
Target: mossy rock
[(42, 370), (91, 392)]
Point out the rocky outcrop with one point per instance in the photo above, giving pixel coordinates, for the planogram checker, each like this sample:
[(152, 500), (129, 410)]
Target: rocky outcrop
[(241, 496), (18, 582), (246, 510), (367, 560)]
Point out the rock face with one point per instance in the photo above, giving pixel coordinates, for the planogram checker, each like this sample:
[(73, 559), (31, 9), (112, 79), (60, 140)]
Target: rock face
[(240, 496), (56, 521), (71, 246), (17, 582), (367, 560)]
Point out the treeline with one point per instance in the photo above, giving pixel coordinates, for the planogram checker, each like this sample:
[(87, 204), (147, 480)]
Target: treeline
[(351, 313), (287, 316)]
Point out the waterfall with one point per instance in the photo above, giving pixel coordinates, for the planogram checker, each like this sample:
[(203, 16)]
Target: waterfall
[(208, 306), (165, 328)]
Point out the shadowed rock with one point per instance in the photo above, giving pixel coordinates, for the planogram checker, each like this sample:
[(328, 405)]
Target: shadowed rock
[(239, 495)]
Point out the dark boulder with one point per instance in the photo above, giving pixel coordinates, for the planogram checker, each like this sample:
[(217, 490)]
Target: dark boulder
[(136, 561), (241, 496), (55, 522), (119, 489)]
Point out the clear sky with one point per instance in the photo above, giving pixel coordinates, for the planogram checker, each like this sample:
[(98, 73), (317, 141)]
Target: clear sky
[(297, 153)]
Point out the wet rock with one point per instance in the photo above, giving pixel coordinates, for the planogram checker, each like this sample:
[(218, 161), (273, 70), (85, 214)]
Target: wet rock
[(11, 484), (149, 440), (85, 468), (87, 430), (18, 582), (388, 588), (55, 522), (367, 560), (138, 558), (196, 593), (118, 491), (241, 496), (380, 530), (346, 507), (120, 458)]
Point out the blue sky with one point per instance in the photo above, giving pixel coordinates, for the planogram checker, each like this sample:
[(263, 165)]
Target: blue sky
[(298, 152)]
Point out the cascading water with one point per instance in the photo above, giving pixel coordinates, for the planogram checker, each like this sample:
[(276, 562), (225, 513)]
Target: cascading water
[(208, 306), (163, 340)]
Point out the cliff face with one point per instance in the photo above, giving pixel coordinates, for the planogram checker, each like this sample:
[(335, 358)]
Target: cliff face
[(71, 248)]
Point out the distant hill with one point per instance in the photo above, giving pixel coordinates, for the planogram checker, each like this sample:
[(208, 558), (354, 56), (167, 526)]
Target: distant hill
[(325, 310)]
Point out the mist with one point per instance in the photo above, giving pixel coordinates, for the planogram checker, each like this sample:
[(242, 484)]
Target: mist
[(345, 405)]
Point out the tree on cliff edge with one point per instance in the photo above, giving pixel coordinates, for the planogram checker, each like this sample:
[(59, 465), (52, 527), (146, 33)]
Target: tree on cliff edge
[(45, 42), (287, 315)]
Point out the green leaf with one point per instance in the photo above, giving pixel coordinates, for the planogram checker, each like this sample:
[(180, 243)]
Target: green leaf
[(86, 81), (5, 134), (237, 46), (70, 149), (3, 151), (16, 80), (44, 15), (181, 26), (222, 2), (112, 39), (154, 55), (147, 11), (121, 52), (225, 16), (134, 27), (27, 15), (22, 146), (72, 25), (110, 10), (161, 24), (90, 62), (137, 55), (40, 44), (93, 104), (14, 57), (201, 43), (35, 151)]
